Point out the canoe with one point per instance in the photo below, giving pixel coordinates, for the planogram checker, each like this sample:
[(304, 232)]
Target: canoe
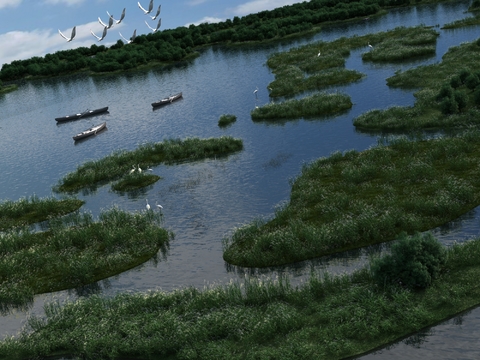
[(86, 113), (89, 132), (167, 100)]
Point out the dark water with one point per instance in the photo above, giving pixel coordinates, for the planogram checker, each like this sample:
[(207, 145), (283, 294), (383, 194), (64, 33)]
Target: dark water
[(204, 201)]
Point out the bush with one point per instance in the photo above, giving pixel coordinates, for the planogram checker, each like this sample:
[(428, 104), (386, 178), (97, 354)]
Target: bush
[(455, 81), (472, 81), (449, 106), (461, 99), (445, 91), (415, 261)]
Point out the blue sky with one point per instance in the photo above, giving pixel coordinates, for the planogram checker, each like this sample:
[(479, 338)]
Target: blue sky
[(30, 27)]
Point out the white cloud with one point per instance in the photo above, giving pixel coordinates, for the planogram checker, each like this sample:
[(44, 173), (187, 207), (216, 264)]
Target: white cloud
[(196, 2), (12, 3), (256, 6), (67, 2), (207, 19)]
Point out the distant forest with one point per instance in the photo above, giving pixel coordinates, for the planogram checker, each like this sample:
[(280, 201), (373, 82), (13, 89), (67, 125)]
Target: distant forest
[(176, 44)]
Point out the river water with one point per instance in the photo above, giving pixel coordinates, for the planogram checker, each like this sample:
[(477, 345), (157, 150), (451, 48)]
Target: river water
[(204, 201)]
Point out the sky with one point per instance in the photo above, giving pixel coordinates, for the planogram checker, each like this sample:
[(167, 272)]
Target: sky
[(30, 27)]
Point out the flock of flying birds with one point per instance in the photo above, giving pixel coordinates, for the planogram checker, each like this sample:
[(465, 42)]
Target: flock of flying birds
[(111, 21)]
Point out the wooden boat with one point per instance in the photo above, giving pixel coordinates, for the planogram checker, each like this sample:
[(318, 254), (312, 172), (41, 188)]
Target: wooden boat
[(86, 113), (89, 132), (167, 100)]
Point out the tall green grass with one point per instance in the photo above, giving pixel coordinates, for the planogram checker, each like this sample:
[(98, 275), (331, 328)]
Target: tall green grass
[(355, 199), (327, 317), (316, 105), (75, 251), (32, 209), (92, 174)]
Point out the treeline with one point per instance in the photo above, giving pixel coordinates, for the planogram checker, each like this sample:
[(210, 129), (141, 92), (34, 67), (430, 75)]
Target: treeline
[(175, 44)]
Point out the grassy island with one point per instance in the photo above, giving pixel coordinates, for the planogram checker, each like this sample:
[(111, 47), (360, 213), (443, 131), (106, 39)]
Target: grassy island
[(449, 95), (76, 251), (355, 199), (33, 210), (320, 104), (328, 317), (119, 164), (7, 88), (226, 120)]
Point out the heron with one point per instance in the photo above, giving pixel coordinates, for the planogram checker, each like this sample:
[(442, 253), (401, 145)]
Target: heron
[(110, 22), (103, 35), (255, 91), (159, 207), (158, 25), (370, 46), (149, 169), (132, 170), (150, 7), (139, 168), (158, 13), (148, 205), (121, 17), (131, 39), (71, 36), (319, 53)]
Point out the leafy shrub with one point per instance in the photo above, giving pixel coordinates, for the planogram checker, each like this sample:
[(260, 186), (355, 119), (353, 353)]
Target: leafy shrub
[(449, 106), (464, 74), (472, 81), (455, 81), (461, 99), (445, 91), (415, 261), (476, 96)]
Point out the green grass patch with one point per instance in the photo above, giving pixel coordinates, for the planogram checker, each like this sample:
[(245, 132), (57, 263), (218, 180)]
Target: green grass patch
[(8, 88), (226, 120), (92, 174), (322, 64), (134, 181), (320, 104), (32, 210), (76, 251), (328, 317), (355, 199)]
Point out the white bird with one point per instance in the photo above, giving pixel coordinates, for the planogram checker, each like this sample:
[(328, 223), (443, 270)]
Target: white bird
[(158, 13), (158, 25), (103, 35), (110, 22), (71, 37), (370, 46), (132, 38), (159, 207), (132, 170), (139, 168), (255, 91), (148, 205), (150, 7), (319, 53), (121, 17), (149, 169)]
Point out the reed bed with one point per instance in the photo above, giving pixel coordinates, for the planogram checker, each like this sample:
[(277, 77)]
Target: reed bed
[(226, 120), (316, 105), (134, 181), (427, 111), (30, 210), (469, 21), (327, 317), (75, 251), (117, 165), (355, 199), (322, 64)]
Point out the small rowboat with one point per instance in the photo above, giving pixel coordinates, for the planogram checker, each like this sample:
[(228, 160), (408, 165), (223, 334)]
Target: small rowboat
[(89, 132), (86, 113), (167, 100)]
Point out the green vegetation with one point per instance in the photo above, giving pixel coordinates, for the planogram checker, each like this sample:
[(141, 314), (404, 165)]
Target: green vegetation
[(32, 210), (134, 181), (355, 199), (7, 88), (117, 165), (448, 96), (321, 104), (325, 318), (76, 251), (226, 119), (321, 64)]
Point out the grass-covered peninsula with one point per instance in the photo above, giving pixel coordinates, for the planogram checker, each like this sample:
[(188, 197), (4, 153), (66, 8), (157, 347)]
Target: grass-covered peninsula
[(325, 318), (353, 199), (121, 163), (30, 210), (76, 250)]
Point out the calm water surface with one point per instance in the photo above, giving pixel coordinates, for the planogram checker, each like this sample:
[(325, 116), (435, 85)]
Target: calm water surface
[(204, 201)]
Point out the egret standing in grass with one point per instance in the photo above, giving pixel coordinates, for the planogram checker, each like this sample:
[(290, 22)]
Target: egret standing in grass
[(148, 205), (139, 168), (132, 170)]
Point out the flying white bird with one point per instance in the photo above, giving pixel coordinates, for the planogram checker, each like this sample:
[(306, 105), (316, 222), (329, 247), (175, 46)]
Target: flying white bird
[(158, 13), (158, 25), (110, 22), (103, 35), (121, 17), (71, 37), (133, 37), (150, 7)]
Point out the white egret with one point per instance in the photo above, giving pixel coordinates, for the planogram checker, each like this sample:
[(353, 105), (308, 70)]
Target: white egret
[(139, 168), (110, 22), (148, 205), (319, 53), (132, 170), (159, 207), (103, 35), (158, 25), (131, 39), (121, 17), (71, 37), (150, 7), (370, 46)]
